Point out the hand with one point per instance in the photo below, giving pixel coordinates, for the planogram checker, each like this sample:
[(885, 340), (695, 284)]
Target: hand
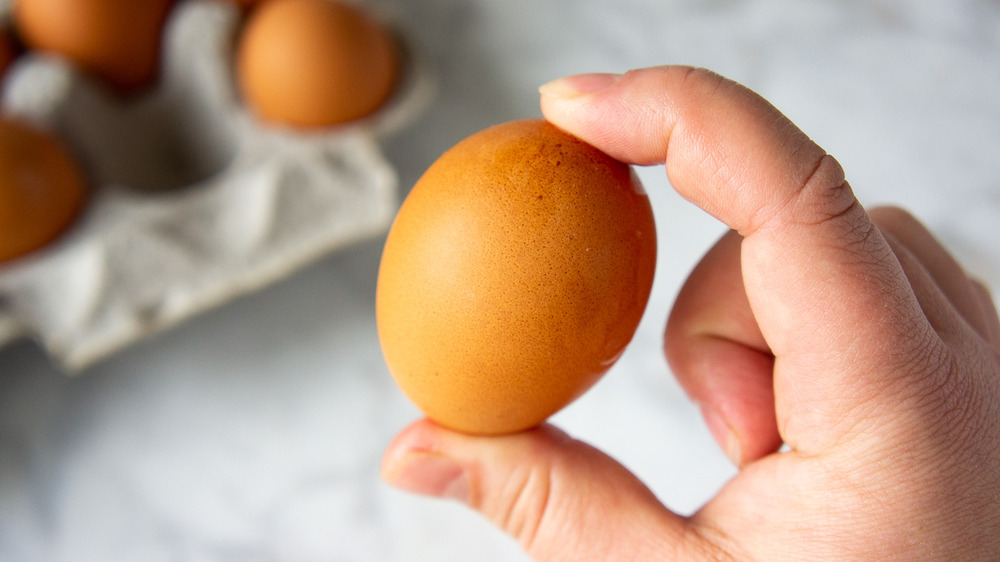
[(851, 337)]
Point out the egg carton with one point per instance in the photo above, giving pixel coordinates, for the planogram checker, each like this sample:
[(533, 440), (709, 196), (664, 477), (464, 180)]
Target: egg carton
[(195, 201)]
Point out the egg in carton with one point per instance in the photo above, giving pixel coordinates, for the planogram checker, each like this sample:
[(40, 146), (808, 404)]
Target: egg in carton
[(193, 200)]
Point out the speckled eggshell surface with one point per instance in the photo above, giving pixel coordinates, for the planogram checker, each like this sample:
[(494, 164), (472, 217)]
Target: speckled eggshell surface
[(513, 277)]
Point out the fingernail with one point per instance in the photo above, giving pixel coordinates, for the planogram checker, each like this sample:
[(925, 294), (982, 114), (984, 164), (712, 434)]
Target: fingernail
[(428, 474), (723, 434), (578, 85)]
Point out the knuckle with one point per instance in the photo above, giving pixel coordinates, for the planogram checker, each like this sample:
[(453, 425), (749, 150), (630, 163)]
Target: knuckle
[(824, 196), (521, 500), (531, 495), (702, 77)]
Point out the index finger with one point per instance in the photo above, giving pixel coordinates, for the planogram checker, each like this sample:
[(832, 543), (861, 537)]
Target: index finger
[(823, 284)]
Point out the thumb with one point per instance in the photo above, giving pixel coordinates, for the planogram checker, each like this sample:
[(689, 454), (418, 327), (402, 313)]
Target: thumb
[(559, 497)]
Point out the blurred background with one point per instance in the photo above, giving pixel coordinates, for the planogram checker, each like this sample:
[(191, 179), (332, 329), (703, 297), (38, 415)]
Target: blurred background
[(255, 431)]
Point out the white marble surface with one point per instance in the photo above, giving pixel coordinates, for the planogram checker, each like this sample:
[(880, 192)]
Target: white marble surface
[(254, 432)]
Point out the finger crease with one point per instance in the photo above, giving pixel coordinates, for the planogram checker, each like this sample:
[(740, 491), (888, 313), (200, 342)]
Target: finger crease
[(823, 196), (539, 486)]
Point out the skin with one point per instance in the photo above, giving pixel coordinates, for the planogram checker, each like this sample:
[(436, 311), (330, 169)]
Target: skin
[(851, 336)]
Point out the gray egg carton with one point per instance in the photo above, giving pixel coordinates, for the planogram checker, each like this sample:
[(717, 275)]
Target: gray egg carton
[(193, 201)]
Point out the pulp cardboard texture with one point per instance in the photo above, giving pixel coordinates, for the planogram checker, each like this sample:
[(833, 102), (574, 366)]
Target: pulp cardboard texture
[(193, 202)]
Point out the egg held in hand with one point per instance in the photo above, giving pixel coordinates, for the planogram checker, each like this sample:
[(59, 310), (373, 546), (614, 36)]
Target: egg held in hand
[(513, 277)]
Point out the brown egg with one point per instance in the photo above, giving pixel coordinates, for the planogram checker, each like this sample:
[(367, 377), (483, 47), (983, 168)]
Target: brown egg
[(7, 51), (244, 5), (117, 40), (41, 189), (314, 63), (514, 275)]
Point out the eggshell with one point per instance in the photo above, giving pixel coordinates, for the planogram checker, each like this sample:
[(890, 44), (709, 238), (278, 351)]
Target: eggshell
[(315, 63), (7, 51), (41, 189), (245, 4), (117, 40), (513, 277)]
